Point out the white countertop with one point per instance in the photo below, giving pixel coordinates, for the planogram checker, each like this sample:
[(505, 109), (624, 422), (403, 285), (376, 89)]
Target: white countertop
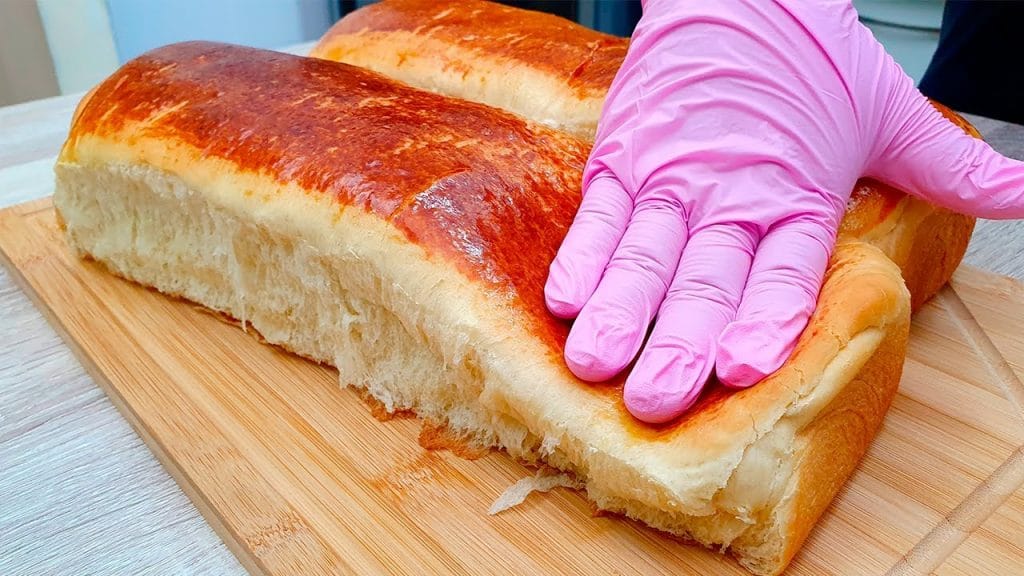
[(79, 491)]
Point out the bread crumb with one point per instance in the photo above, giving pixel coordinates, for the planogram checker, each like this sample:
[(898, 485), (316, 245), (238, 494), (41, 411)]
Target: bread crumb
[(435, 437), (545, 480)]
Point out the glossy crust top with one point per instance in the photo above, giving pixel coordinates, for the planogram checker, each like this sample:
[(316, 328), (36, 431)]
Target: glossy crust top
[(587, 60), (429, 37), (486, 190)]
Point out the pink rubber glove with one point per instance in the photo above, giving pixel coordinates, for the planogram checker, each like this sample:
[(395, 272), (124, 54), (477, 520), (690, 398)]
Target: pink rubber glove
[(729, 144)]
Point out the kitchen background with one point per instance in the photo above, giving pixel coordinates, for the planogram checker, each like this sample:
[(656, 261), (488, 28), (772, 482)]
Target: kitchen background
[(52, 47)]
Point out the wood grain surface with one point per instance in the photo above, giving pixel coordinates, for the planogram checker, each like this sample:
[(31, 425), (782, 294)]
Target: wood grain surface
[(298, 478)]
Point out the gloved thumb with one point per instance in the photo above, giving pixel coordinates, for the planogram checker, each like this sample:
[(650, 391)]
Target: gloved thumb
[(926, 155)]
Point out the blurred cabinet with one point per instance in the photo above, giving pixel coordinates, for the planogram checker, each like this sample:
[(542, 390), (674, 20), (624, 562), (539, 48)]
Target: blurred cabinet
[(909, 30), (80, 40), (139, 25), (26, 70), (88, 39)]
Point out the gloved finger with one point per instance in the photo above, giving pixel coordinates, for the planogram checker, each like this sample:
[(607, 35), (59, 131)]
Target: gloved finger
[(611, 326), (680, 353), (595, 233), (780, 296), (930, 157)]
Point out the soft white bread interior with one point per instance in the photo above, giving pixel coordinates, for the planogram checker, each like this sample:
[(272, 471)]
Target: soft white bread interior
[(404, 237)]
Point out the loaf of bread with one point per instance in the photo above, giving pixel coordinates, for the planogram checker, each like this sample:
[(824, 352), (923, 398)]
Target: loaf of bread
[(556, 72), (539, 66), (405, 237)]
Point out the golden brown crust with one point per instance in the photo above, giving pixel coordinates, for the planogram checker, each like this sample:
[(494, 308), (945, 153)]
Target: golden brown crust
[(836, 441), (493, 193), (936, 250), (586, 60), (927, 242)]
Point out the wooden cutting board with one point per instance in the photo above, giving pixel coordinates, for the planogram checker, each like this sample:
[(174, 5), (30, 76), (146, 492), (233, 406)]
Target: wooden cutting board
[(298, 477)]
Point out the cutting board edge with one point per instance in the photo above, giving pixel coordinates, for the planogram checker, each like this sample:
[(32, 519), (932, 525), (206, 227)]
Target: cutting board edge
[(18, 213)]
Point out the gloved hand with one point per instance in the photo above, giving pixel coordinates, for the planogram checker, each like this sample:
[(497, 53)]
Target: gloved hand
[(728, 146)]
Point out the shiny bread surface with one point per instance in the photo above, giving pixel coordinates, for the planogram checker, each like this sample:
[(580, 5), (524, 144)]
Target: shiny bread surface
[(585, 59), (488, 191), (553, 58)]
